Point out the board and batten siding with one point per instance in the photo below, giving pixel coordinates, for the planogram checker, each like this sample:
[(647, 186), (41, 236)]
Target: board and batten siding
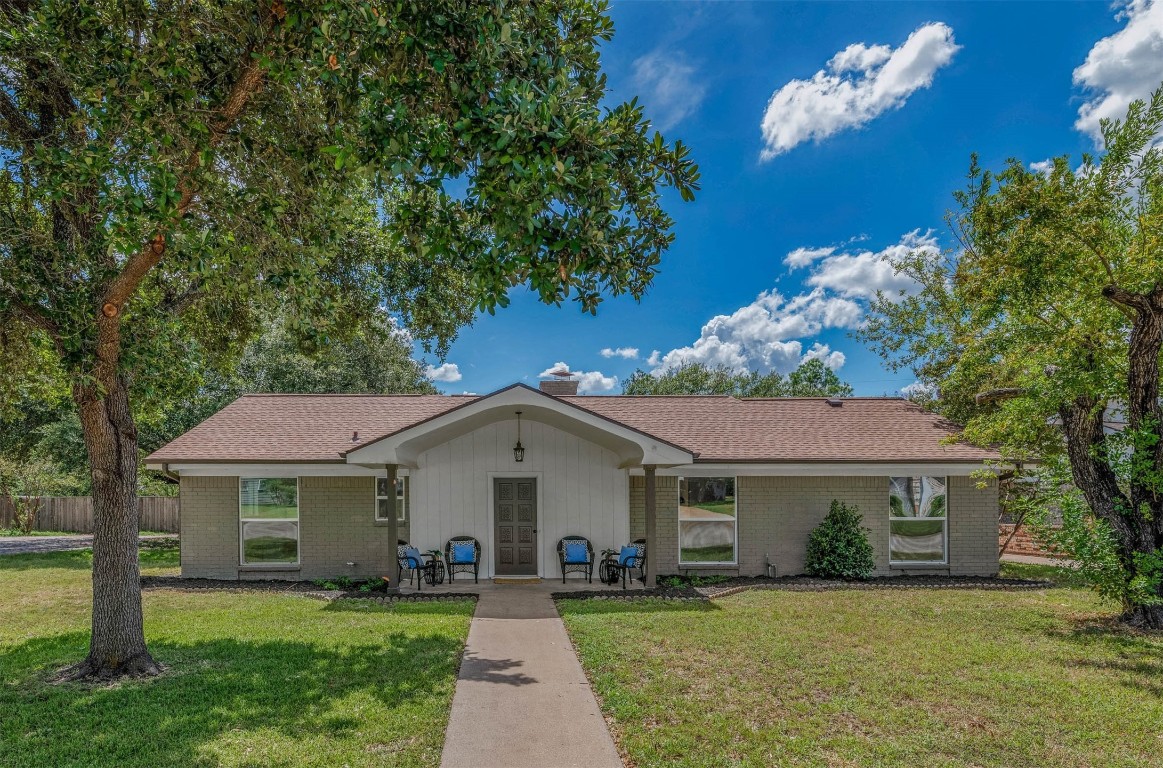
[(581, 490)]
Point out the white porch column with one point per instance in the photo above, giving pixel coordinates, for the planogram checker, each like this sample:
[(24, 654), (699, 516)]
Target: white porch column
[(651, 529), (393, 527)]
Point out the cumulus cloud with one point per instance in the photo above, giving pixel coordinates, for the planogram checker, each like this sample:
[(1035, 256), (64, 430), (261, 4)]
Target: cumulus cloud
[(669, 86), (770, 333), (918, 391), (446, 372), (859, 84), (629, 353), (588, 381), (861, 275), (1121, 68)]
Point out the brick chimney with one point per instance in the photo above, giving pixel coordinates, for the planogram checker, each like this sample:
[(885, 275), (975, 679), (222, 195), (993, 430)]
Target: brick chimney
[(561, 385)]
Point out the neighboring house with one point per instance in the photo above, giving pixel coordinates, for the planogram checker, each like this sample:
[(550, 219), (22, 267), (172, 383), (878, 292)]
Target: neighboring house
[(309, 486)]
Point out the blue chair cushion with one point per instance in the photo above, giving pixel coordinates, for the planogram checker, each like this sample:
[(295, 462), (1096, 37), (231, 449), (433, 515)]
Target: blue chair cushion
[(628, 556), (464, 553), (412, 554), (576, 552)]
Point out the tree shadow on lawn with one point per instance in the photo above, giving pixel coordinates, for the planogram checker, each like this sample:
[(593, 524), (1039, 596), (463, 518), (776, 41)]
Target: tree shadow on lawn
[(71, 559), (644, 605), (1105, 644), (212, 689)]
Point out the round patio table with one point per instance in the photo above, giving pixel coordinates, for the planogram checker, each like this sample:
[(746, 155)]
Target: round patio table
[(433, 572)]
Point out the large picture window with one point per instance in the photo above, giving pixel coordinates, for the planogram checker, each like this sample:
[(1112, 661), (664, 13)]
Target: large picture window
[(268, 520), (386, 500), (706, 520), (918, 524)]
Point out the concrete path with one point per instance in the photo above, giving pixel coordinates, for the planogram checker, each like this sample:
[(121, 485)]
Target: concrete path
[(521, 697), (1010, 557), (26, 545)]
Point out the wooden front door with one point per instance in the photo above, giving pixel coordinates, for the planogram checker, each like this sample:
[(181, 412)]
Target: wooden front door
[(515, 526)]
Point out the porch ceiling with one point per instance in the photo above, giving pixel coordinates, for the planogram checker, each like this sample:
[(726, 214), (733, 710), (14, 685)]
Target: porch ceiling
[(633, 447)]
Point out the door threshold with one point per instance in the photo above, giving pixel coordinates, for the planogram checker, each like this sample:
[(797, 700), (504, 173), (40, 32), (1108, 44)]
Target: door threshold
[(516, 579)]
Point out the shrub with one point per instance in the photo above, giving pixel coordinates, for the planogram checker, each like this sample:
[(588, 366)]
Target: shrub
[(839, 548)]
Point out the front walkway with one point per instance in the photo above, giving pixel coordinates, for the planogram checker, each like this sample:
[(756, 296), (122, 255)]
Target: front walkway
[(521, 697)]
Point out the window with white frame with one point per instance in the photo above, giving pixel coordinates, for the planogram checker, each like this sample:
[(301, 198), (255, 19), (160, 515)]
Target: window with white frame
[(268, 520), (386, 500), (706, 521), (918, 523)]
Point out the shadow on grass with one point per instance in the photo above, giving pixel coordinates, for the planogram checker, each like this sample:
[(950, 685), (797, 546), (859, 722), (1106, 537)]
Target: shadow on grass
[(642, 605), (214, 689), (1135, 657), (72, 559)]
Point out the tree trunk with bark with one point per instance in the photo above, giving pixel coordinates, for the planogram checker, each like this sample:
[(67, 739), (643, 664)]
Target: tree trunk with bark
[(117, 646)]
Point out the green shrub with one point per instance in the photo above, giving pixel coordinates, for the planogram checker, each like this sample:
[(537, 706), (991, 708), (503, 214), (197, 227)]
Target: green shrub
[(839, 548)]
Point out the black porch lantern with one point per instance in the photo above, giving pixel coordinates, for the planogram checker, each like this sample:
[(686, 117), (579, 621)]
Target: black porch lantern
[(518, 449)]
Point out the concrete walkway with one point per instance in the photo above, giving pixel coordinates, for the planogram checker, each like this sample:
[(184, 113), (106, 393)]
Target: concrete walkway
[(521, 697), (27, 545), (1061, 562)]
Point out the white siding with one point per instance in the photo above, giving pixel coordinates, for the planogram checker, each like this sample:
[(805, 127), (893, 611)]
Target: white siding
[(581, 490)]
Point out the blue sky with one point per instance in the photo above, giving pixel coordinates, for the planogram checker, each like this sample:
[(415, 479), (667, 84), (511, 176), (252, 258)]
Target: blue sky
[(826, 133)]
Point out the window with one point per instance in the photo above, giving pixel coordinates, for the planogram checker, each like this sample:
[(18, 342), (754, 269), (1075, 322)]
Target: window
[(918, 526), (268, 520), (706, 520), (384, 499)]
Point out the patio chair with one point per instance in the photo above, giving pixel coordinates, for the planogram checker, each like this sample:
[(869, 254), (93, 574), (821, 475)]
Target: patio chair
[(463, 555), (408, 558), (632, 556), (576, 555)]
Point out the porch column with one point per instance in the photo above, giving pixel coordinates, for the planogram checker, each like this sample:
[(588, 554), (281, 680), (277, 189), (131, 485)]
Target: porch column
[(393, 527), (651, 529)]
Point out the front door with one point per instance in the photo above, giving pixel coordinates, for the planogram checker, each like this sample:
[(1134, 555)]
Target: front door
[(515, 537)]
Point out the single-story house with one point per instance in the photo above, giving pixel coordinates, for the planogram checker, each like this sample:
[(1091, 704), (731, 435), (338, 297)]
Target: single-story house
[(311, 486)]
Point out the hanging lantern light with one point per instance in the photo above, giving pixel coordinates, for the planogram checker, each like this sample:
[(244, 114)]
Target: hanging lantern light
[(518, 449)]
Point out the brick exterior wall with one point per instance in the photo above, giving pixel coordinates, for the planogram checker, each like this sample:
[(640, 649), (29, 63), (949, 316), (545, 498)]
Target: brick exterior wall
[(336, 526), (209, 527), (777, 514), (775, 517)]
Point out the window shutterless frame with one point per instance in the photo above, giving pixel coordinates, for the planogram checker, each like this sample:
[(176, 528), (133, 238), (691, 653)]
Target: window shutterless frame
[(242, 521), (683, 481), (944, 520), (401, 500)]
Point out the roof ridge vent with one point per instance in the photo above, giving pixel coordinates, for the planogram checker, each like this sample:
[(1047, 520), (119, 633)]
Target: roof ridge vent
[(835, 402)]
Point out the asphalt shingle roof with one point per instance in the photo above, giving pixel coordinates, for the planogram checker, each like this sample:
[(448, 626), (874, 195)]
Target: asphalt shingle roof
[(319, 428)]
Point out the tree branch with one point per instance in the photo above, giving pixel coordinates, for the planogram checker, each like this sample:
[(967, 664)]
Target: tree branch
[(995, 395), (249, 82), (17, 124)]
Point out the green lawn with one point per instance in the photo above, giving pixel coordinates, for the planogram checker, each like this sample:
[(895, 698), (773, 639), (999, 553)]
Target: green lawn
[(892, 678), (253, 680)]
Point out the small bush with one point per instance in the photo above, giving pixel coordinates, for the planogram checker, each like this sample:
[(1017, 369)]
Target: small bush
[(839, 548)]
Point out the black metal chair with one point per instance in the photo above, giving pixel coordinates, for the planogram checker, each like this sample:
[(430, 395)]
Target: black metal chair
[(636, 561), (456, 565), (567, 556), (408, 558)]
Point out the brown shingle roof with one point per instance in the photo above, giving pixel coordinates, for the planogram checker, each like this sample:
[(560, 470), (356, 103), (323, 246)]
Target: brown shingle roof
[(307, 428)]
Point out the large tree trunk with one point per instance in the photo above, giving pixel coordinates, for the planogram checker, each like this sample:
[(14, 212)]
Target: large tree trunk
[(117, 646)]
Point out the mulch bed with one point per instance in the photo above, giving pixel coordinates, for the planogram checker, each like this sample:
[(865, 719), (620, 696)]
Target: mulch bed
[(806, 584), (298, 588)]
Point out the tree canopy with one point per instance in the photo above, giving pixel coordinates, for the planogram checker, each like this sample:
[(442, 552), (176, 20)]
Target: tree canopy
[(170, 173), (1047, 326), (810, 379)]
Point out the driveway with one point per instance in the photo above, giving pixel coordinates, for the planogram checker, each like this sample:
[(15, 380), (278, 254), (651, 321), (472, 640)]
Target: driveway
[(26, 545)]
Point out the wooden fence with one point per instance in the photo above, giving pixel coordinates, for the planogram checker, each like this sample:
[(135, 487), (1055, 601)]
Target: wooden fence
[(75, 513)]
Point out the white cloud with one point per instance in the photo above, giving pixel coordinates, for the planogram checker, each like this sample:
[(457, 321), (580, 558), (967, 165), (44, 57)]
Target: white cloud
[(446, 372), (861, 275), (1042, 166), (669, 87), (1121, 68), (770, 333), (629, 353), (588, 381), (917, 389), (859, 84)]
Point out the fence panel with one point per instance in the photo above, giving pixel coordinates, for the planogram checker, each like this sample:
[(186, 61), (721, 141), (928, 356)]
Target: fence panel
[(75, 514)]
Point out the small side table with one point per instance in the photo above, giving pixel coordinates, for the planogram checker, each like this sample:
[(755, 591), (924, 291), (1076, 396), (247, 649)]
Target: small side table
[(433, 569)]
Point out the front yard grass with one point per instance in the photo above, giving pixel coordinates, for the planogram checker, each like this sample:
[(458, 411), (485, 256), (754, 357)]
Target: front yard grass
[(884, 678), (253, 679)]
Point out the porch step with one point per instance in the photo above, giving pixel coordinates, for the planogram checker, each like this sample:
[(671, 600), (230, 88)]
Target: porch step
[(517, 580)]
